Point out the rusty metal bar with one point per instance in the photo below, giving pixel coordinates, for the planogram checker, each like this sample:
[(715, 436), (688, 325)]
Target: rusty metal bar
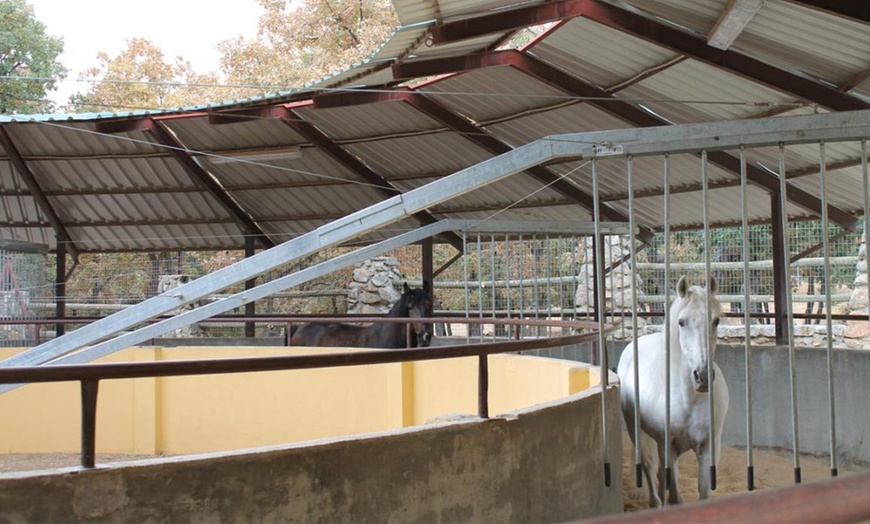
[(483, 386), (70, 372), (89, 388), (832, 501)]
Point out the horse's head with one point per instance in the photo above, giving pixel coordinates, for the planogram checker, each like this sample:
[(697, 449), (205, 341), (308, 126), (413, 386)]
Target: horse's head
[(418, 304), (691, 314)]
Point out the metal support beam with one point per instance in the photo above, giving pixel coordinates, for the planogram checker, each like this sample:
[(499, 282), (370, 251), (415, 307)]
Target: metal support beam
[(351, 226), (732, 21), (36, 192), (853, 9), (651, 30)]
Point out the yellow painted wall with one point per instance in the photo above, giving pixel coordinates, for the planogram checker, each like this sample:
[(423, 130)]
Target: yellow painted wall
[(220, 412)]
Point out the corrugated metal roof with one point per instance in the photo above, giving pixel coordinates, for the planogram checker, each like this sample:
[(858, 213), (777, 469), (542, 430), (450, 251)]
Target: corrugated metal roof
[(128, 190)]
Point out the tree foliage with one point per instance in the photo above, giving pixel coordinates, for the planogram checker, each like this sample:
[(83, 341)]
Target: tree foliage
[(141, 77), (28, 60), (298, 45)]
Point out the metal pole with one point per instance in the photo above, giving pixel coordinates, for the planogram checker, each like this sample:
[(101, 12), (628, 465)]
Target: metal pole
[(599, 277), (711, 337), (60, 286), (826, 246), (667, 320), (865, 176), (465, 286), (638, 465), (479, 287), (783, 209), (747, 349), (492, 278), (89, 388), (483, 386)]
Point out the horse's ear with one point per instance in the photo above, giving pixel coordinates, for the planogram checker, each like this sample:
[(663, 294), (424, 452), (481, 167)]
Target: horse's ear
[(682, 286), (405, 288), (712, 286)]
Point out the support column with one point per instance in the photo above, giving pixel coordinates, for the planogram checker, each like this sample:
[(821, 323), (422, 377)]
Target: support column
[(60, 285), (780, 279), (428, 268)]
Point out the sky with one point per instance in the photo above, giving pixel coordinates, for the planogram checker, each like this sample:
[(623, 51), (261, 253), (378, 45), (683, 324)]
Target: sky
[(187, 28)]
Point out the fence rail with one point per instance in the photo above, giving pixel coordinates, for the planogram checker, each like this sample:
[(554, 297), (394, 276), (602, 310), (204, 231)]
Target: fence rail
[(89, 375)]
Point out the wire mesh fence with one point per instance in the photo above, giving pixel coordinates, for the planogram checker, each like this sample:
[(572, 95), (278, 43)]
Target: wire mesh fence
[(500, 275)]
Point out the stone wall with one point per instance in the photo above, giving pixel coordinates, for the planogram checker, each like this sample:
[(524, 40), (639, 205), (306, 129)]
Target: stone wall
[(617, 285), (376, 286)]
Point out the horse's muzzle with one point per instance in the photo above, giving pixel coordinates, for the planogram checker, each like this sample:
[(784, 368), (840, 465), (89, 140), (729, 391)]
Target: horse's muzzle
[(700, 380)]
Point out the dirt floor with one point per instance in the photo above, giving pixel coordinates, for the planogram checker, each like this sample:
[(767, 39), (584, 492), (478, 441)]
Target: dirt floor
[(772, 470)]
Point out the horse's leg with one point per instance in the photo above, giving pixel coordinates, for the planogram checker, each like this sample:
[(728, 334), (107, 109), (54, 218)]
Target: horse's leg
[(674, 496), (703, 454), (652, 468)]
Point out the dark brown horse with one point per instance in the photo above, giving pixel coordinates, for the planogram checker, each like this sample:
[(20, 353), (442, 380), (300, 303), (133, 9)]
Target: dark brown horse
[(414, 303)]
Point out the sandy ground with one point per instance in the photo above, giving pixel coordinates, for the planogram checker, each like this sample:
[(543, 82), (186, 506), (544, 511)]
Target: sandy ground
[(772, 470)]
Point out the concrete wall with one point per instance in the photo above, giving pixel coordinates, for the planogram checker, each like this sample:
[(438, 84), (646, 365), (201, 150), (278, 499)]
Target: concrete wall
[(771, 400), (771, 397), (539, 464)]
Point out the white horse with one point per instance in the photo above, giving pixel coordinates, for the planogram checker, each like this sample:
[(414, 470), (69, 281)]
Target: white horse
[(690, 428)]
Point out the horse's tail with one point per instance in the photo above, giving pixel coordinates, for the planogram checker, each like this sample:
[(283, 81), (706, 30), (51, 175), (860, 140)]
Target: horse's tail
[(290, 333)]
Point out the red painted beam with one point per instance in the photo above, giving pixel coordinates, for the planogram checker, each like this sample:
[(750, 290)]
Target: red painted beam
[(621, 109), (855, 9), (657, 33)]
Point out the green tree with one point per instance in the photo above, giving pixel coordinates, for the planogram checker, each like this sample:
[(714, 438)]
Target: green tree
[(298, 44), (28, 60), (141, 77)]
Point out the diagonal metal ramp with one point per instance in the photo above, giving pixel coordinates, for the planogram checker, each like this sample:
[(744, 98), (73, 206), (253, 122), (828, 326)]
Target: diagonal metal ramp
[(239, 299), (343, 229)]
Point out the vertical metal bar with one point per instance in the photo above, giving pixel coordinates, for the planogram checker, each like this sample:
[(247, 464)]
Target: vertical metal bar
[(479, 287), (747, 348), (638, 468), (535, 290), (667, 318), (602, 345), (783, 209), (826, 246), (522, 287), (865, 177), (492, 271), (712, 338), (465, 286), (89, 388), (483, 386), (507, 272), (59, 286)]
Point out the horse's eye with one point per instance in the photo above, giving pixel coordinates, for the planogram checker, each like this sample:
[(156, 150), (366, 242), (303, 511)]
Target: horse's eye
[(682, 322)]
